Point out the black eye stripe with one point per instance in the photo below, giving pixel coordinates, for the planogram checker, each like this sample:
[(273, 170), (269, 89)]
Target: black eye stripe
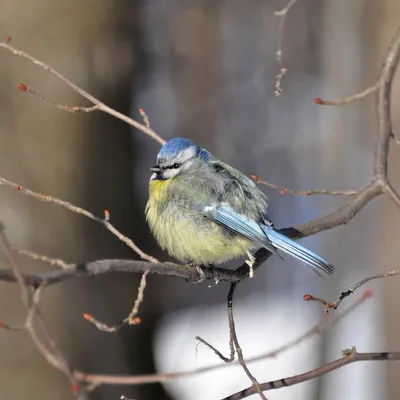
[(174, 166)]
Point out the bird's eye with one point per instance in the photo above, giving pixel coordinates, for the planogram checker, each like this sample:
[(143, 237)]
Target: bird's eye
[(176, 165)]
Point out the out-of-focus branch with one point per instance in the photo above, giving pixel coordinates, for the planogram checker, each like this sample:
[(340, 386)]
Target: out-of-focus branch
[(100, 105), (131, 319), (153, 378), (351, 99), (281, 14), (54, 262), (31, 301), (349, 356), (308, 192), (105, 221), (74, 109), (334, 305)]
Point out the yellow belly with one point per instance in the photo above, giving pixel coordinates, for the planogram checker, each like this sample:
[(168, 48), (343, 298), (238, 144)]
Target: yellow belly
[(187, 235)]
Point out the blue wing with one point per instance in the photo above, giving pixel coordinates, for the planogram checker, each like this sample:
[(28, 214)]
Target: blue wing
[(265, 236)]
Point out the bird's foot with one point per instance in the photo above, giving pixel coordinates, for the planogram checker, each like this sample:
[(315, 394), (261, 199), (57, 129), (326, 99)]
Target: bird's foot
[(202, 275), (250, 262), (215, 276)]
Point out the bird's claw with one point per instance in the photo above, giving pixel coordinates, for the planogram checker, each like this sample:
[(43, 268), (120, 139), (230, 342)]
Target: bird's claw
[(201, 274), (215, 276)]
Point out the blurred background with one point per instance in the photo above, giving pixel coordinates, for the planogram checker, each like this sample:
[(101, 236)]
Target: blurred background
[(203, 69)]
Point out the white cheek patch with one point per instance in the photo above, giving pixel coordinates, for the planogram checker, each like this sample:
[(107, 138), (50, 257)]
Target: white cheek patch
[(154, 176), (170, 173)]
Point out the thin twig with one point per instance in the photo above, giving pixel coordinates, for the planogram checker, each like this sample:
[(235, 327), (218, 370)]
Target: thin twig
[(15, 270), (393, 194), (231, 357), (308, 192), (239, 352), (23, 88), (146, 119), (234, 343), (101, 106), (227, 360), (55, 262), (354, 97), (281, 14), (383, 109), (79, 210), (131, 319), (334, 305)]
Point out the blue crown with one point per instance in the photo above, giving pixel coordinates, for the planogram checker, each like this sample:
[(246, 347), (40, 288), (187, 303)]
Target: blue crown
[(173, 147)]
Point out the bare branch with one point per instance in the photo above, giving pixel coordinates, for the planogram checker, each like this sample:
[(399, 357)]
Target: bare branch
[(55, 262), (354, 97), (393, 194), (15, 270), (334, 305), (350, 356), (281, 14), (23, 88), (55, 358), (78, 210), (227, 360), (100, 105), (339, 217), (153, 378), (239, 351), (308, 192), (383, 108), (131, 319), (146, 119)]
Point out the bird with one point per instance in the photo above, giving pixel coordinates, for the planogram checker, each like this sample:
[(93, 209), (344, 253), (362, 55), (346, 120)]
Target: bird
[(204, 212)]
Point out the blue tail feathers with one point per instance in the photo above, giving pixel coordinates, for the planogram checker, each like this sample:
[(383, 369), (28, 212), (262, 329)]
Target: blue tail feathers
[(282, 242)]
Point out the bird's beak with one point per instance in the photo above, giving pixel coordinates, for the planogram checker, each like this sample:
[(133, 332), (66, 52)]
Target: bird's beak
[(155, 169)]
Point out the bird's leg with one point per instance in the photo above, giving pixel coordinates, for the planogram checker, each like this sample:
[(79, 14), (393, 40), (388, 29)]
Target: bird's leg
[(250, 262)]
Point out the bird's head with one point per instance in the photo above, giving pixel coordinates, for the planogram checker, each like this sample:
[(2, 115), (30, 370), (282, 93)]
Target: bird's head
[(176, 156)]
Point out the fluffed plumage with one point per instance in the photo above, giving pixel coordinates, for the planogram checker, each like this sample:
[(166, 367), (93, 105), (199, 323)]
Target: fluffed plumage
[(204, 211)]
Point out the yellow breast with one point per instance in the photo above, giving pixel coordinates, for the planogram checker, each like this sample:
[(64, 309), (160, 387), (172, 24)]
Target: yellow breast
[(157, 190), (186, 234)]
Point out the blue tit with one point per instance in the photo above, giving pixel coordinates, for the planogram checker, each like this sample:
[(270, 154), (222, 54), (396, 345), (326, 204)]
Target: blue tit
[(205, 212)]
